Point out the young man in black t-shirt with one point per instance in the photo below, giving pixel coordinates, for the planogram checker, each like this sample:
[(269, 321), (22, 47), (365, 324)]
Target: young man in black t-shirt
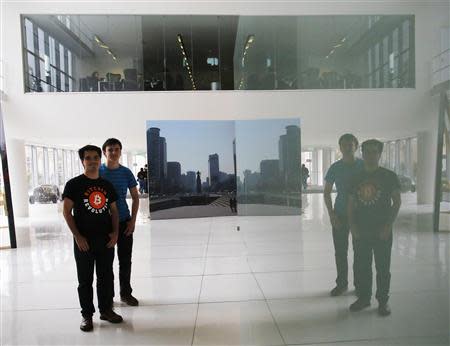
[(373, 206), (95, 228)]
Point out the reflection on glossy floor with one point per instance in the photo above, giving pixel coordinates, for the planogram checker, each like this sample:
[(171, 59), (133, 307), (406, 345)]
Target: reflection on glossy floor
[(202, 282)]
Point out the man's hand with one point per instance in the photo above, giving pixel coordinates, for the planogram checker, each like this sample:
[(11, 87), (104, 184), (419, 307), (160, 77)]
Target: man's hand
[(334, 219), (355, 232), (386, 232), (130, 228), (81, 243), (113, 239)]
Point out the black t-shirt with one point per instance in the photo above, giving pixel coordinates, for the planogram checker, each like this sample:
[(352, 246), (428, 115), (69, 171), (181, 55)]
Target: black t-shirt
[(372, 193), (92, 203)]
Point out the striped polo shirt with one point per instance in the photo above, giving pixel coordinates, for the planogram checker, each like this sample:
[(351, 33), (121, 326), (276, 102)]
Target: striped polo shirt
[(122, 179)]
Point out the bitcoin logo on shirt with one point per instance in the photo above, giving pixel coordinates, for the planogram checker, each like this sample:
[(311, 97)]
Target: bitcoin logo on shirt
[(96, 202)]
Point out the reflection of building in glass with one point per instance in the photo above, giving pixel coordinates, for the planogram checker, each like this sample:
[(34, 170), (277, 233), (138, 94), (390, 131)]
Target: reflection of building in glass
[(289, 154), (173, 176), (282, 173), (270, 173), (251, 179), (214, 173), (157, 159)]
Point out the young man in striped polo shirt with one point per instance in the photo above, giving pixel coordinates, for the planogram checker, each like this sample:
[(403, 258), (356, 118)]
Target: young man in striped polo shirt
[(123, 180)]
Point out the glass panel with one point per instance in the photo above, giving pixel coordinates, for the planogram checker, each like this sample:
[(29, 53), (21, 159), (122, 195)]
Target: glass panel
[(405, 32), (254, 54), (51, 167), (67, 165), (153, 52), (414, 159), (46, 169), (179, 52), (268, 167), (391, 148), (29, 166), (180, 72), (40, 166), (60, 168), (75, 165), (34, 165), (403, 158), (29, 44), (205, 46)]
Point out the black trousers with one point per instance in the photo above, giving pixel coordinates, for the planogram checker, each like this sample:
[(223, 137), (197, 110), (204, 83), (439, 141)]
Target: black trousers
[(371, 246), (340, 240), (100, 257), (124, 253)]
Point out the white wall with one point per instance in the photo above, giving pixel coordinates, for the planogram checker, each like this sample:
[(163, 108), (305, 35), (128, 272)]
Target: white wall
[(78, 118)]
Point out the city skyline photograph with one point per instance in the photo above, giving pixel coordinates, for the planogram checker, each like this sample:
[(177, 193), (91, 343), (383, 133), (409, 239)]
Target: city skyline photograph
[(191, 142), (191, 168)]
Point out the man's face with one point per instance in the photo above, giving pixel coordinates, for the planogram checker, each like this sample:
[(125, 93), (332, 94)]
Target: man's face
[(348, 148), (91, 161), (371, 155), (113, 152)]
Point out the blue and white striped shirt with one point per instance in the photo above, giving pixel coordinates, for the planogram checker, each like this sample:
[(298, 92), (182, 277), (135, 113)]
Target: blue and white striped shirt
[(122, 179)]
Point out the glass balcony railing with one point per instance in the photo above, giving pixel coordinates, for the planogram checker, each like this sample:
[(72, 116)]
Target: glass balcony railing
[(97, 53)]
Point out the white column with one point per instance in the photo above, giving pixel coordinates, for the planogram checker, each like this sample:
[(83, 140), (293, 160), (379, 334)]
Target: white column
[(426, 166), (18, 176)]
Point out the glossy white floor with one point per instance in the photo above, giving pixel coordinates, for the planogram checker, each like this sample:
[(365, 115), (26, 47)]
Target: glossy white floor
[(202, 282)]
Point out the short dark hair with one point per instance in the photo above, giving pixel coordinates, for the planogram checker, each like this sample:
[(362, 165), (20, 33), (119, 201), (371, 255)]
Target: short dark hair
[(110, 142), (372, 142), (89, 147), (348, 137)]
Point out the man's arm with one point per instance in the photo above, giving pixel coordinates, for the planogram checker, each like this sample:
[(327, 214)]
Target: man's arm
[(67, 212), (393, 213), (134, 210), (329, 204), (115, 225)]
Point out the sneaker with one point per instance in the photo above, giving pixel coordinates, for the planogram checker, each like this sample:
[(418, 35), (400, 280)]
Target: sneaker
[(129, 300), (338, 290), (384, 310), (111, 316), (86, 324), (359, 305)]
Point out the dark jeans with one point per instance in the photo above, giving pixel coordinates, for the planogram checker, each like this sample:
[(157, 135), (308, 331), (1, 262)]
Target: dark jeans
[(102, 258), (124, 251), (340, 240), (370, 245)]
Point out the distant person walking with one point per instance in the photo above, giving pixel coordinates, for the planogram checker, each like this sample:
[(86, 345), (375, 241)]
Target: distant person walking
[(141, 180), (305, 176), (146, 178)]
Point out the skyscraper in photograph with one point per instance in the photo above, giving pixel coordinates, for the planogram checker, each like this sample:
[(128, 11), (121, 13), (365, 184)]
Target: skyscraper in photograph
[(157, 160), (190, 181), (214, 172), (173, 181)]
